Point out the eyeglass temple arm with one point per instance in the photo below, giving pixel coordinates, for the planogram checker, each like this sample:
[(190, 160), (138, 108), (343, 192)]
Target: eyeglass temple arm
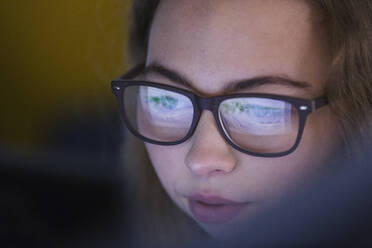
[(318, 103)]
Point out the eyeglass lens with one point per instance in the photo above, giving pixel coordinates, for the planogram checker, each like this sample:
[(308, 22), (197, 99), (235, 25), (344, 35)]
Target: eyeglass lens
[(260, 125), (158, 114)]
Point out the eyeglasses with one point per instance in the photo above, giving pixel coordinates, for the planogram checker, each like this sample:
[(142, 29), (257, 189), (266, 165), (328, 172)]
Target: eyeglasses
[(263, 125)]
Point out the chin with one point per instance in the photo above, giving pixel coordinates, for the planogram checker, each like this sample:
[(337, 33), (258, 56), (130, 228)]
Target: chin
[(220, 232)]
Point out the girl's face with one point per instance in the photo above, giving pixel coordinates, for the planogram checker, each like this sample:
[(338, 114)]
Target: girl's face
[(215, 43)]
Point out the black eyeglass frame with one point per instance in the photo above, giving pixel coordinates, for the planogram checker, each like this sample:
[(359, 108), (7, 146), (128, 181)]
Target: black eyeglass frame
[(200, 103)]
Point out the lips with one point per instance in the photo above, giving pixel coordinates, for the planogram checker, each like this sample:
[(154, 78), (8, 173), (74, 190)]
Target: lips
[(214, 209)]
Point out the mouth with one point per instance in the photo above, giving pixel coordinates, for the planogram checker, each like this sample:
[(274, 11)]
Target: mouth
[(214, 209)]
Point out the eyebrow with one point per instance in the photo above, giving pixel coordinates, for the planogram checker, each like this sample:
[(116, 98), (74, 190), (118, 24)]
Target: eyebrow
[(177, 77)]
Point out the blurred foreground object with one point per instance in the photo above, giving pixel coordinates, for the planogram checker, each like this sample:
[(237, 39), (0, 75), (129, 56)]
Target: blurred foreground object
[(334, 211)]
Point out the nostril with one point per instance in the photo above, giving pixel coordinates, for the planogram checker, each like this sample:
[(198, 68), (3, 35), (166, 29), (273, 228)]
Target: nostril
[(217, 172)]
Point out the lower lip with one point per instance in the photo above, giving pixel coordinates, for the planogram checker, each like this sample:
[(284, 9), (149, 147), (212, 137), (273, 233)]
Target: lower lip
[(213, 213)]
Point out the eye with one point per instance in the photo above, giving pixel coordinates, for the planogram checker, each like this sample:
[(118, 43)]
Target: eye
[(267, 114), (257, 111), (165, 105), (165, 101)]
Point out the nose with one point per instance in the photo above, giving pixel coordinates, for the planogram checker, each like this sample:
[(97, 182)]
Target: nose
[(209, 153)]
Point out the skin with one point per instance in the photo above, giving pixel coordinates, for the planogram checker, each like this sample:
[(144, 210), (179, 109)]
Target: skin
[(213, 43)]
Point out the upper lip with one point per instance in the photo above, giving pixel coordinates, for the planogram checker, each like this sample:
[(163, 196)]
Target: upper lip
[(213, 200)]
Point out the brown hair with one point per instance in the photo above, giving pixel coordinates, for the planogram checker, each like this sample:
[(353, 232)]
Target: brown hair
[(349, 90)]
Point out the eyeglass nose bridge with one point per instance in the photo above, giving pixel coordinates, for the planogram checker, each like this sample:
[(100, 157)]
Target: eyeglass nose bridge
[(206, 103)]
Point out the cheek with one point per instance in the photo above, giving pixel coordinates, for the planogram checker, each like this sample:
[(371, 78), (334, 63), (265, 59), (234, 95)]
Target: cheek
[(319, 141), (168, 164), (321, 135), (269, 179)]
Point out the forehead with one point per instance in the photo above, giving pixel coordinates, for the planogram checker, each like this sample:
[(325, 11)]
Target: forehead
[(222, 40)]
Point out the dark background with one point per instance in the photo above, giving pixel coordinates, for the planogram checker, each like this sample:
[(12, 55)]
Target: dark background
[(61, 135)]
